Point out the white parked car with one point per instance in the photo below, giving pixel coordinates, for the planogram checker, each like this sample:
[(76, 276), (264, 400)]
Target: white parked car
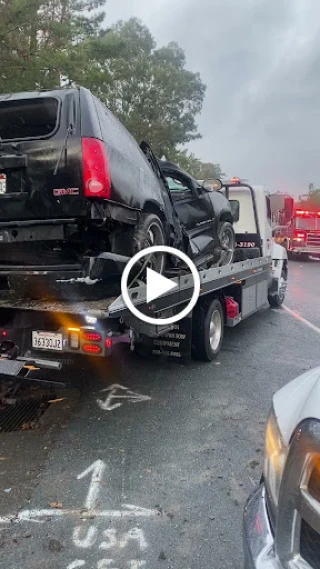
[(282, 516)]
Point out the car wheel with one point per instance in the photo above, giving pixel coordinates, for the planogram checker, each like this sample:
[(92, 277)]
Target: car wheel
[(148, 233), (227, 240)]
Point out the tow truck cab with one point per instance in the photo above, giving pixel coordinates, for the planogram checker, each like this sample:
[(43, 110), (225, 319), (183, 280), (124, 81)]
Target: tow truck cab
[(251, 208)]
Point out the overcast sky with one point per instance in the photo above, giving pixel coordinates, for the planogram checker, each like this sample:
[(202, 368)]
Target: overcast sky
[(260, 60)]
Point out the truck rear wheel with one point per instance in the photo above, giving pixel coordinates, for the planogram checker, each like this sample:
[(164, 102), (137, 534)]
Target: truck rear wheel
[(208, 329)]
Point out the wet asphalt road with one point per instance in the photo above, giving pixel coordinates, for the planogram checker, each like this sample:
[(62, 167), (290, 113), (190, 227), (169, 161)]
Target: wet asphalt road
[(167, 474), (303, 294)]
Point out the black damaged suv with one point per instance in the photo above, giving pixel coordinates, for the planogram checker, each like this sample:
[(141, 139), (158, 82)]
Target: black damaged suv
[(75, 186)]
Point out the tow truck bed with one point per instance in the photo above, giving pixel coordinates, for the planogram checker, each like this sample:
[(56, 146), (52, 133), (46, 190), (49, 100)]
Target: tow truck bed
[(113, 307), (91, 327), (211, 280), (99, 307)]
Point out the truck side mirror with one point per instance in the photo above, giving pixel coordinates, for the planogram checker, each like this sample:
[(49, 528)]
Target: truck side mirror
[(212, 185)]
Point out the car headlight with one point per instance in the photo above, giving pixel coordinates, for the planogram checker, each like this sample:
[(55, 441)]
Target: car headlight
[(276, 452)]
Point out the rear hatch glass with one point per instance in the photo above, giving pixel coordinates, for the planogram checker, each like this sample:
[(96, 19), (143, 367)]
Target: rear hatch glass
[(28, 118), (40, 163)]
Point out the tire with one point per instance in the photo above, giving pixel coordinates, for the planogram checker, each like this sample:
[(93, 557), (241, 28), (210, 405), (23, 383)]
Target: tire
[(207, 318), (227, 240), (149, 232), (277, 300)]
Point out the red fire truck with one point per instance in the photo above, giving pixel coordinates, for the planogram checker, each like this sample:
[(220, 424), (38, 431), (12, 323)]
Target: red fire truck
[(300, 234)]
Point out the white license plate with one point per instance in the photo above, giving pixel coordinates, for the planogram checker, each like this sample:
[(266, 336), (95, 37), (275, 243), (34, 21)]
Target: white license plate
[(47, 341)]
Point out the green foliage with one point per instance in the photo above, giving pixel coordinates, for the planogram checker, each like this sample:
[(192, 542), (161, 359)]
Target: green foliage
[(208, 170), (150, 90), (44, 41), (49, 43), (199, 170), (313, 200)]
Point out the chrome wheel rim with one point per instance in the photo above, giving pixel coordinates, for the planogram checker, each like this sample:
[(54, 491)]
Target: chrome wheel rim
[(226, 238), (215, 330), (227, 244), (282, 288), (155, 237)]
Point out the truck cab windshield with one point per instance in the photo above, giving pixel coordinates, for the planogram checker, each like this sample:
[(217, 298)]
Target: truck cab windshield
[(308, 224)]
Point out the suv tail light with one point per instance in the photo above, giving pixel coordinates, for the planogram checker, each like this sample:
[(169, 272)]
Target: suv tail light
[(299, 235), (96, 171)]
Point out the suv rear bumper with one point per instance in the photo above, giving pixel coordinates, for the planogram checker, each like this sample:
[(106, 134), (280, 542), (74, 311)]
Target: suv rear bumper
[(258, 540)]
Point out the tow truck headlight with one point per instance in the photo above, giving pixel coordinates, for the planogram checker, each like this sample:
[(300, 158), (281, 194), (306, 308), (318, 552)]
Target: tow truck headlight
[(275, 457)]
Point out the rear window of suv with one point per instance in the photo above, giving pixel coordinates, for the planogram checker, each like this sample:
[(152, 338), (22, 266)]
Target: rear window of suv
[(28, 118)]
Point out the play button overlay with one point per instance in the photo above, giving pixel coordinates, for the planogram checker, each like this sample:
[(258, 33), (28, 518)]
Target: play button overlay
[(158, 286)]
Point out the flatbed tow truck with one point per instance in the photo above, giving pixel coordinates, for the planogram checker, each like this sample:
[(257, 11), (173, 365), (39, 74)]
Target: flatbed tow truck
[(38, 335)]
